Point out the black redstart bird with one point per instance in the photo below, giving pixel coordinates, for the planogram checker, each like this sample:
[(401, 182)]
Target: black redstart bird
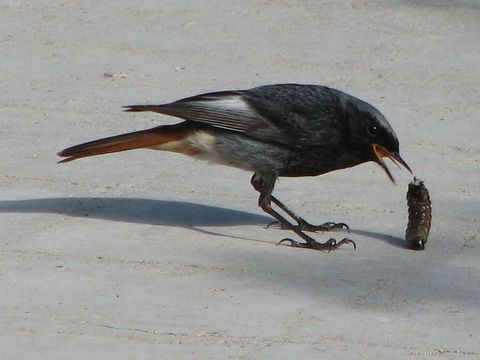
[(273, 130)]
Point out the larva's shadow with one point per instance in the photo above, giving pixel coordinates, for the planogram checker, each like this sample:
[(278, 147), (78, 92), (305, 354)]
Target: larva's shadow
[(135, 210), (392, 240)]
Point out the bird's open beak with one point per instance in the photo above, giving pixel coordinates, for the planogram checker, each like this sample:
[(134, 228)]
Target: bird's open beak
[(381, 152)]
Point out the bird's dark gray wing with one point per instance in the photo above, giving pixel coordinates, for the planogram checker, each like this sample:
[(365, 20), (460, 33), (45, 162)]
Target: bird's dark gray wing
[(289, 114), (302, 115), (226, 110)]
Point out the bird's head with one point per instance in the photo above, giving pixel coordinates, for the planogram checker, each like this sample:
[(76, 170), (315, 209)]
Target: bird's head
[(372, 134)]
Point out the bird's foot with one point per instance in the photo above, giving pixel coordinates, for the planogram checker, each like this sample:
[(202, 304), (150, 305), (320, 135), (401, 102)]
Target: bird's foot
[(328, 246), (303, 225), (328, 226)]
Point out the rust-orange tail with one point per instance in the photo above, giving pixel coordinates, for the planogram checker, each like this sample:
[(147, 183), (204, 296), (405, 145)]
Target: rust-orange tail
[(135, 140)]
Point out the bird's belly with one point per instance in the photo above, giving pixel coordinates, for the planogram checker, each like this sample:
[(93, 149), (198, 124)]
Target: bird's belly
[(317, 160), (228, 148)]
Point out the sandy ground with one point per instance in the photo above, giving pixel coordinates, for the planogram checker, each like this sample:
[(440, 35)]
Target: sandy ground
[(148, 255)]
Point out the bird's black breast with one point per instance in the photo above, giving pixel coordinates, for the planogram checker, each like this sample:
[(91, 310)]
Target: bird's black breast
[(319, 160)]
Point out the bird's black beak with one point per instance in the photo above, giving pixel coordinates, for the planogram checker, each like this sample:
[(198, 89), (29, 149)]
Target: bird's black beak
[(380, 152)]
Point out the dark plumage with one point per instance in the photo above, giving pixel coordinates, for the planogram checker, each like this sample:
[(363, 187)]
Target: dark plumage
[(273, 130)]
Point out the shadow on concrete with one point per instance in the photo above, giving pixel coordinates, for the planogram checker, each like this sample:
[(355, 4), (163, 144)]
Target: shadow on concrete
[(155, 212), (135, 210), (392, 240)]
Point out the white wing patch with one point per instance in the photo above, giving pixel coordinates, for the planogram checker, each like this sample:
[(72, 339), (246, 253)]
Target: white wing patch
[(230, 102), (231, 112)]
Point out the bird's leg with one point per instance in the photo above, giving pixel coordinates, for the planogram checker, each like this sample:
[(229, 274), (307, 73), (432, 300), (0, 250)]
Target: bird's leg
[(310, 243), (304, 225), (264, 185)]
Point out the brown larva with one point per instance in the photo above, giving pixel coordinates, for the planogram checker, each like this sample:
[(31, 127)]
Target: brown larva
[(419, 215)]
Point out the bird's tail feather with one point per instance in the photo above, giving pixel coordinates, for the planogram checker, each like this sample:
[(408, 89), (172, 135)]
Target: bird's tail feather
[(155, 108), (135, 140)]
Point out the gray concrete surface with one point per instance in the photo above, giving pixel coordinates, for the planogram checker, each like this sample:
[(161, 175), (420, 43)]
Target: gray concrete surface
[(149, 255)]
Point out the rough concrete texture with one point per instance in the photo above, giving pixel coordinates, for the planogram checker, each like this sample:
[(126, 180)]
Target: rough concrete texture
[(150, 255)]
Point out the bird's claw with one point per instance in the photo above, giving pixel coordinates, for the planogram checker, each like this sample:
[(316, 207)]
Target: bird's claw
[(275, 224), (303, 225), (292, 242), (329, 245), (328, 226)]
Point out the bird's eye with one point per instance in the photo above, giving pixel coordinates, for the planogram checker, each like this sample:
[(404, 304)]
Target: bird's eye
[(372, 130)]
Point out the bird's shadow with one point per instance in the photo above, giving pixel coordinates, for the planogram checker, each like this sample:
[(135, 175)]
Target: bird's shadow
[(136, 210), (154, 212)]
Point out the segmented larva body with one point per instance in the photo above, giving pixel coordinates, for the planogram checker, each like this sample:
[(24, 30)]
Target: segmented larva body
[(419, 215)]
